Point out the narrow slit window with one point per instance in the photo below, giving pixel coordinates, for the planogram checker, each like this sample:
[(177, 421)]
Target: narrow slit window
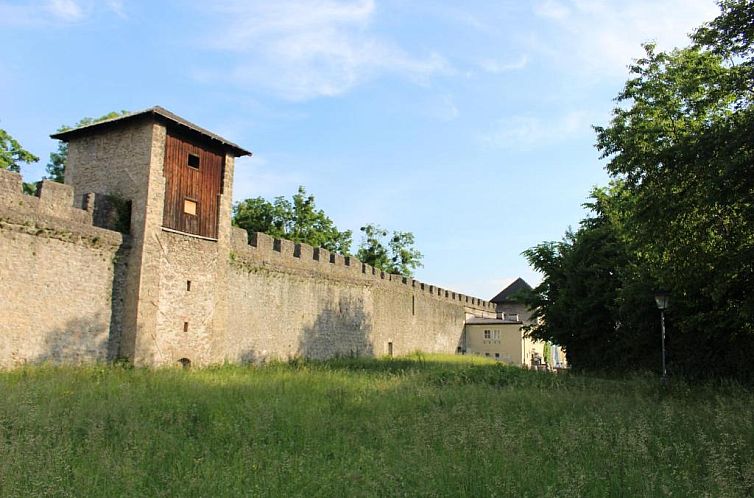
[(193, 161), (189, 207), (188, 285), (185, 326)]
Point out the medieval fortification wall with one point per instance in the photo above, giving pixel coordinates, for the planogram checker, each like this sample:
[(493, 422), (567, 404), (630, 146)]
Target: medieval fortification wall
[(59, 278), (329, 304), (74, 291)]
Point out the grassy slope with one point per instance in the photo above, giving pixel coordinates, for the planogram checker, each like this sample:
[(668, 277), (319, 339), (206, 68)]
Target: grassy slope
[(416, 427)]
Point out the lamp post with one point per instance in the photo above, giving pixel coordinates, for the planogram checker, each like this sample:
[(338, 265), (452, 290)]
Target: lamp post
[(662, 298)]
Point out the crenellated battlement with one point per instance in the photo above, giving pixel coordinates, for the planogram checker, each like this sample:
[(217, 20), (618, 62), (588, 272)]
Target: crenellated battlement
[(51, 208), (286, 255)]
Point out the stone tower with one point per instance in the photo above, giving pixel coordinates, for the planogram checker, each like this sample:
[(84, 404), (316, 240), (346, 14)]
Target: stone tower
[(178, 178)]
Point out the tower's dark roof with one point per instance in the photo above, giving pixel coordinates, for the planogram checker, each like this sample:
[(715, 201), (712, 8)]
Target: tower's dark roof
[(508, 294), (492, 321), (158, 113)]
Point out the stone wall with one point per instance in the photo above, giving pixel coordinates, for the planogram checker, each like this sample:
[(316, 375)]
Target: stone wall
[(191, 301), (287, 300), (74, 292), (126, 161), (59, 278)]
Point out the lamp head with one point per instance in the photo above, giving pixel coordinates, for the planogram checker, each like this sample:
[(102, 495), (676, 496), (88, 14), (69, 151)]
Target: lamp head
[(662, 298)]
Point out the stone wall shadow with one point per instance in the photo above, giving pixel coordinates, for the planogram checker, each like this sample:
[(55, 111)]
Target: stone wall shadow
[(340, 330), (249, 357), (80, 340), (115, 345)]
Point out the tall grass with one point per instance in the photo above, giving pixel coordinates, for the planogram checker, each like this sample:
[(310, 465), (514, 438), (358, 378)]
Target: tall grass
[(416, 426)]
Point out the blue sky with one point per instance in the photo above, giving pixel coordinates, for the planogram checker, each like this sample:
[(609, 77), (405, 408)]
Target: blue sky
[(466, 123)]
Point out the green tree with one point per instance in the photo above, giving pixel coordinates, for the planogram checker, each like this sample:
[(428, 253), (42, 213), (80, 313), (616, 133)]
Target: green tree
[(56, 165), (593, 300), (298, 220), (678, 215), (680, 140), (394, 253), (12, 154)]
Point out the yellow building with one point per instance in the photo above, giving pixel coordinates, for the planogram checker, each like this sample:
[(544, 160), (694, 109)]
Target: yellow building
[(503, 339)]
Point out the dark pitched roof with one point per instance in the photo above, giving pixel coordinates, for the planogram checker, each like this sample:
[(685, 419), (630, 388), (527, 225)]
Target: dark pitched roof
[(491, 321), (159, 113), (508, 294)]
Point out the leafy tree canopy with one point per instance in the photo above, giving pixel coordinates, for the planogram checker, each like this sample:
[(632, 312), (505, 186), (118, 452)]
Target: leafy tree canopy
[(298, 220), (392, 253), (56, 165), (12, 154), (679, 215)]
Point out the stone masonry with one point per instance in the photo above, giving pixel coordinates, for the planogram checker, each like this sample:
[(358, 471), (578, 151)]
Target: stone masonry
[(74, 292)]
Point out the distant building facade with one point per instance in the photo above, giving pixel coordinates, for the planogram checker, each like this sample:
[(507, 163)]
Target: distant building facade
[(503, 338)]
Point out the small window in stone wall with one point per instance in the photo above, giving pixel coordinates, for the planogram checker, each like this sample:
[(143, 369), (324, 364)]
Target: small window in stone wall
[(185, 326), (189, 207), (193, 161), (188, 285)]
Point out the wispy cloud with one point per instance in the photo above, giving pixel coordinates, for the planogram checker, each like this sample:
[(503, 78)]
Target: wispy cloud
[(54, 12), (117, 7), (66, 10), (497, 67), (601, 37), (525, 132), (443, 108), (552, 9), (255, 177), (303, 49)]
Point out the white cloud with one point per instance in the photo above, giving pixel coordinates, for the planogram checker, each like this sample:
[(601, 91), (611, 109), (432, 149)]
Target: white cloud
[(599, 37), (254, 177), (304, 49), (53, 12), (66, 10), (552, 9), (496, 67), (443, 108), (117, 7), (525, 132)]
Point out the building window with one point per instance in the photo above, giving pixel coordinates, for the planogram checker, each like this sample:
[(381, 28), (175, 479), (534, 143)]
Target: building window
[(188, 285), (193, 161), (487, 334), (189, 207), (497, 355)]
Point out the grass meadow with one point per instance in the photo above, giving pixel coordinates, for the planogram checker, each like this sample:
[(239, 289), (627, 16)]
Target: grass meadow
[(415, 426)]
